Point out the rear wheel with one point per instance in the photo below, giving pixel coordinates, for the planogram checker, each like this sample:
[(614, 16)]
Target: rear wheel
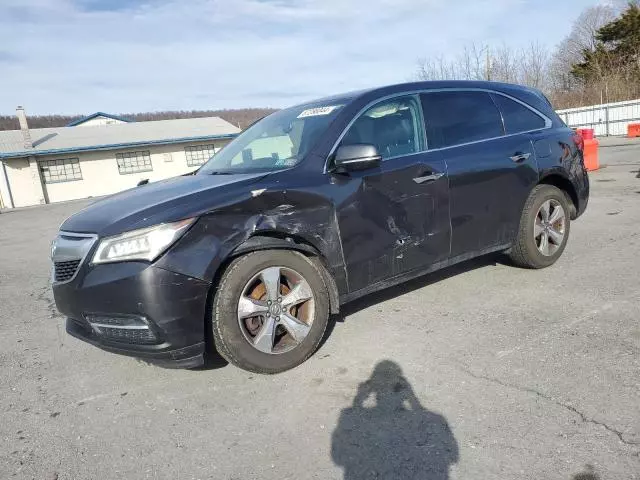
[(544, 228), (270, 311)]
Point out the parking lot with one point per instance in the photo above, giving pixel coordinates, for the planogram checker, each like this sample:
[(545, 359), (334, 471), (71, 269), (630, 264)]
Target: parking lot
[(503, 372)]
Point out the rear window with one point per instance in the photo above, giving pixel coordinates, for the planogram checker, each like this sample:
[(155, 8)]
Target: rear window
[(454, 118), (517, 117)]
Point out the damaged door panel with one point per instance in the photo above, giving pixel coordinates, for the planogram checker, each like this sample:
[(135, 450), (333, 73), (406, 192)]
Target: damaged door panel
[(393, 224)]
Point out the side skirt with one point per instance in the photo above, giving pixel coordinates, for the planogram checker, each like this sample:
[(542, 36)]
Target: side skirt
[(404, 277)]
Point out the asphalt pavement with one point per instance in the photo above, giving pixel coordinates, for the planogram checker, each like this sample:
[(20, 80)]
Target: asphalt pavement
[(481, 371)]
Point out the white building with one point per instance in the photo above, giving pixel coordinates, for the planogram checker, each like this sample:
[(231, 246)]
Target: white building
[(47, 165)]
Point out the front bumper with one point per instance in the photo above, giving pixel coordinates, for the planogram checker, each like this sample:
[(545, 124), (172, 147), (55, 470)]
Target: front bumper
[(172, 305)]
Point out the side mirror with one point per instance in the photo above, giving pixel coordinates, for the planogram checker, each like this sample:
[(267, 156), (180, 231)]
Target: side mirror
[(356, 157)]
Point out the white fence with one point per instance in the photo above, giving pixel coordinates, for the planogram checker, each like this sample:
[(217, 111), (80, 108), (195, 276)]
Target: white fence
[(605, 119)]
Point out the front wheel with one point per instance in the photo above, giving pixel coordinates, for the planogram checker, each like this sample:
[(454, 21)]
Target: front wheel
[(270, 311), (544, 228)]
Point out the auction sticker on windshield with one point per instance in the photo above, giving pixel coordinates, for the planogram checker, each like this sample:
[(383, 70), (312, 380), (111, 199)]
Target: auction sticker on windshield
[(315, 112)]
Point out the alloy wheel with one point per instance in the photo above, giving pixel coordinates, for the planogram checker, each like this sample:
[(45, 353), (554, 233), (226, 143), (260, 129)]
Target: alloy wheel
[(549, 227), (276, 310)]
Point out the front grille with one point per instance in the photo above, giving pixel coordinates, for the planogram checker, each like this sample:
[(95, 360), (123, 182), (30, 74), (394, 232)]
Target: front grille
[(64, 271), (131, 336), (68, 251)]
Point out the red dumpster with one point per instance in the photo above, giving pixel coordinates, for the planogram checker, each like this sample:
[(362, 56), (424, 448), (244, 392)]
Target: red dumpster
[(633, 130)]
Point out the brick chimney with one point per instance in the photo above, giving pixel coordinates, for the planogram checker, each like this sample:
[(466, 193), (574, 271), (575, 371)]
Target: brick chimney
[(24, 127)]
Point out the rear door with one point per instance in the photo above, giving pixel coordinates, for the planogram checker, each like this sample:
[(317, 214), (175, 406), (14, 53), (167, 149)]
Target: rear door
[(490, 173), (397, 217)]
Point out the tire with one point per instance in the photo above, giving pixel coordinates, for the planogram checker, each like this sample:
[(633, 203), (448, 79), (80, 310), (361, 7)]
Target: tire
[(232, 335), (526, 251)]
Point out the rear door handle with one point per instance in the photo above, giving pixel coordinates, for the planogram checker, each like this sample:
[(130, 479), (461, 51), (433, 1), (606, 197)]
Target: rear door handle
[(428, 178), (520, 157)]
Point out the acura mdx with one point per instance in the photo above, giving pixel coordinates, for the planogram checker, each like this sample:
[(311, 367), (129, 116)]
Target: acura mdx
[(312, 207)]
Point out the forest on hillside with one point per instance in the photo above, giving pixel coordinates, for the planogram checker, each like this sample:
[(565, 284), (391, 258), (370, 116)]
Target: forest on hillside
[(241, 117)]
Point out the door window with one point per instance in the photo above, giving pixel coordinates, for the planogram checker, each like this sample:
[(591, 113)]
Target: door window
[(393, 126), (518, 118), (455, 117)]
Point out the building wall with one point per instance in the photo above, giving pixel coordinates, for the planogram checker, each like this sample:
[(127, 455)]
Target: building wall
[(99, 121), (5, 201), (100, 174), (25, 185)]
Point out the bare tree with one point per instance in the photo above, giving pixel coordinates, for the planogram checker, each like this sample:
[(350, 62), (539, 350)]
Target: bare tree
[(503, 64), (533, 66), (528, 66), (610, 77), (470, 64)]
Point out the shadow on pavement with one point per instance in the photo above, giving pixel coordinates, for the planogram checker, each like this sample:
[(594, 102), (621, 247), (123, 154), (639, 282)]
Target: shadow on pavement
[(588, 474), (212, 361), (387, 433), (420, 282), (408, 287)]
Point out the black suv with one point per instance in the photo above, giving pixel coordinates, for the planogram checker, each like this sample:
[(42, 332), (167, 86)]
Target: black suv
[(312, 207)]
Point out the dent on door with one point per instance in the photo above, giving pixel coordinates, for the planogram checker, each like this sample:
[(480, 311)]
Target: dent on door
[(393, 224)]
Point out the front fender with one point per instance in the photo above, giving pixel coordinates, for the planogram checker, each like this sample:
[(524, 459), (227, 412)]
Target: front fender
[(306, 218)]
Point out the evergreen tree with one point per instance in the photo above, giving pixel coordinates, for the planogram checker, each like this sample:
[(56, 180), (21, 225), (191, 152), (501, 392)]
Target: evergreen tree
[(617, 49)]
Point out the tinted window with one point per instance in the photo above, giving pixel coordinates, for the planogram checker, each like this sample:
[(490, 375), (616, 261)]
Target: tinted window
[(393, 126), (459, 117), (517, 117)]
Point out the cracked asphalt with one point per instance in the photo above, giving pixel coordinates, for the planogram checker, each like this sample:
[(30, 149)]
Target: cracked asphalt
[(480, 371)]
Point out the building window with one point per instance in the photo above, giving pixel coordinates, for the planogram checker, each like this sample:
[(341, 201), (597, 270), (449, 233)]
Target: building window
[(198, 154), (61, 170), (134, 162)]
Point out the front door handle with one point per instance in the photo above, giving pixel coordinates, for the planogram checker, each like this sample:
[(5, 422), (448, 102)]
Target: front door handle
[(520, 157), (428, 178)]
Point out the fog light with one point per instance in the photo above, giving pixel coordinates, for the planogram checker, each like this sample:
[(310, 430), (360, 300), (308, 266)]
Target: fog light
[(131, 329)]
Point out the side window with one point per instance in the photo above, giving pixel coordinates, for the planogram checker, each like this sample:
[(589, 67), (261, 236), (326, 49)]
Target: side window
[(393, 126), (517, 117), (456, 117)]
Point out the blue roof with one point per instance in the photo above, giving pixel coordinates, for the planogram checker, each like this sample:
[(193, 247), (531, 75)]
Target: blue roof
[(98, 114)]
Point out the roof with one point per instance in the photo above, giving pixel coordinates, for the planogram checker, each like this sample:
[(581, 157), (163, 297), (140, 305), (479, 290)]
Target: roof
[(449, 84), (381, 91), (108, 137), (96, 115)]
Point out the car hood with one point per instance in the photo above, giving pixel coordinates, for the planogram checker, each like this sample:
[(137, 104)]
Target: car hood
[(160, 202)]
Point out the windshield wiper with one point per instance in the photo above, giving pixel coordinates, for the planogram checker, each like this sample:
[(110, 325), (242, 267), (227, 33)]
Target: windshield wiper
[(220, 173)]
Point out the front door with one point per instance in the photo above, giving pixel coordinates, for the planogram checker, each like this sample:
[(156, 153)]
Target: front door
[(396, 217)]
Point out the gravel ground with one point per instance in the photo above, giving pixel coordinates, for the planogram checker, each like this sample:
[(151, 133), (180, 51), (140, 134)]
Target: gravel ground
[(503, 373)]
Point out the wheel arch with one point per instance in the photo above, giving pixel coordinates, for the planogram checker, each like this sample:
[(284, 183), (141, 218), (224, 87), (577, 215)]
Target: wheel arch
[(565, 185), (274, 240)]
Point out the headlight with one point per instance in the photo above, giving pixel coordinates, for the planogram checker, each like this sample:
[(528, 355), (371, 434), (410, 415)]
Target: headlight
[(144, 244)]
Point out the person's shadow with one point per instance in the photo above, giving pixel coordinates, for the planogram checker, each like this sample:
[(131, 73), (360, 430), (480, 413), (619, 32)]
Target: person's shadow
[(388, 434)]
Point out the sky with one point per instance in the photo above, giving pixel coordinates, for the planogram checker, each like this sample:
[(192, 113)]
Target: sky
[(82, 56)]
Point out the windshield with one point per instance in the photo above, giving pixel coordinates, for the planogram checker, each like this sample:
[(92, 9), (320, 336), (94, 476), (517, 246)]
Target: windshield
[(276, 142)]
